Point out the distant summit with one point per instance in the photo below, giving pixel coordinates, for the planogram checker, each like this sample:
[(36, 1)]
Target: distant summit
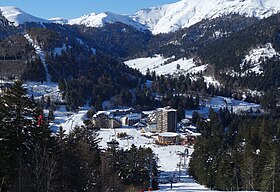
[(17, 16), (162, 19), (99, 20)]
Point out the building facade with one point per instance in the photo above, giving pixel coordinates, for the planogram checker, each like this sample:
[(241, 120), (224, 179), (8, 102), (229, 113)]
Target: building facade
[(168, 138), (104, 121), (166, 119)]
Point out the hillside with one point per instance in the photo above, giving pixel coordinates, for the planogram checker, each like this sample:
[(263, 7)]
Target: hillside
[(213, 51), (233, 57)]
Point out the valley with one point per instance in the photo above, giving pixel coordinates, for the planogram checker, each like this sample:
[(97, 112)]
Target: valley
[(179, 97)]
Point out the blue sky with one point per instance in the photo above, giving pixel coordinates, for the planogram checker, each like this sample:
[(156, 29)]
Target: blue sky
[(76, 8)]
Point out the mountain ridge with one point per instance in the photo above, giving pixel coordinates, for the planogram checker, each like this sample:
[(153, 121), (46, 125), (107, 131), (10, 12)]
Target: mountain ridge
[(185, 13), (99, 20), (164, 18), (17, 16)]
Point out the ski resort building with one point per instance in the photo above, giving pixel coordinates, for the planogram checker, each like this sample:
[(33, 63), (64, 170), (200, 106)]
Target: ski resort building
[(103, 120), (166, 119), (131, 119), (168, 138)]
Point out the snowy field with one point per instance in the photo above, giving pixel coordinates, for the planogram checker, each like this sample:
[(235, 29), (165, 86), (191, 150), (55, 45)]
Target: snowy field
[(161, 65), (218, 102)]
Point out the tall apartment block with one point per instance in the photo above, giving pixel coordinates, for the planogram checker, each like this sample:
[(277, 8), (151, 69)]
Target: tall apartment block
[(166, 119)]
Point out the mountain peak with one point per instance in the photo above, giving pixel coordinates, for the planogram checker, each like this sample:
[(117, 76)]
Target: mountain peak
[(17, 16), (184, 13), (99, 20)]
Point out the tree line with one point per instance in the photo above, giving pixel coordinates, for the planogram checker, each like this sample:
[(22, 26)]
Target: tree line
[(33, 158), (237, 152)]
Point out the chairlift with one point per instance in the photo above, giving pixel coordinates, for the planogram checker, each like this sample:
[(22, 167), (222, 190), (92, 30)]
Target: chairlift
[(113, 142)]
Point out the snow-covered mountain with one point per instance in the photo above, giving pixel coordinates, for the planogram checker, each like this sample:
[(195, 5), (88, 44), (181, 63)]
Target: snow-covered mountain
[(98, 20), (164, 18), (184, 13), (58, 20), (17, 16)]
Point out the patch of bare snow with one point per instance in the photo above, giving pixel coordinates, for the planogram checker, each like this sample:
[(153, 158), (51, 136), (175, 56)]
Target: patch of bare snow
[(41, 54), (211, 80), (256, 57)]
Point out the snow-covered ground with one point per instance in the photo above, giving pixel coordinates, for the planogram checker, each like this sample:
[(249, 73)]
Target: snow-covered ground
[(63, 117), (38, 89), (168, 155), (252, 62), (41, 54), (68, 119), (216, 103), (161, 65), (256, 57), (168, 158)]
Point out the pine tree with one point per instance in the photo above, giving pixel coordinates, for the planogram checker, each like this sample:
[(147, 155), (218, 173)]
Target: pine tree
[(83, 160), (270, 174), (20, 137)]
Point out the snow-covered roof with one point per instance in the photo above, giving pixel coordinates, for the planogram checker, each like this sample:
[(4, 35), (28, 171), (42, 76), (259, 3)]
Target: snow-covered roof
[(139, 124), (103, 112), (185, 120), (147, 112), (191, 133), (168, 134), (134, 116), (167, 108)]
